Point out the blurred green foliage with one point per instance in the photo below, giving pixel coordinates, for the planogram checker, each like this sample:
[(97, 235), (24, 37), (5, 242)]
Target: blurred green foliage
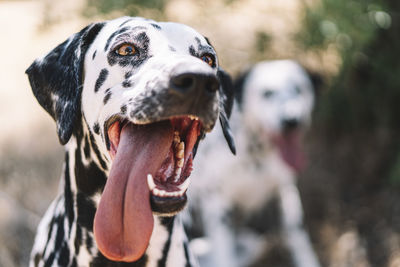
[(365, 94), (263, 43), (128, 7), (364, 98)]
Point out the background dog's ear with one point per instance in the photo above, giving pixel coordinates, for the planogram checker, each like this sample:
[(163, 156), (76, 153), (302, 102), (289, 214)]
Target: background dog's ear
[(238, 87), (56, 79), (226, 91), (317, 81)]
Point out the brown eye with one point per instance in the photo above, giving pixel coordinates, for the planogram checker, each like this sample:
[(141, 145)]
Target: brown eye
[(209, 59), (126, 50)]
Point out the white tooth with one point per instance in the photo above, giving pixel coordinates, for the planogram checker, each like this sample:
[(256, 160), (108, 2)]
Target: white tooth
[(180, 154), (180, 163), (181, 146), (177, 138), (162, 193), (178, 172), (184, 185), (150, 182), (156, 192)]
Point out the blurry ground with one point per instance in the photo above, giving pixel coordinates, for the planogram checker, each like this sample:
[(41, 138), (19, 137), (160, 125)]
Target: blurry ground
[(353, 219)]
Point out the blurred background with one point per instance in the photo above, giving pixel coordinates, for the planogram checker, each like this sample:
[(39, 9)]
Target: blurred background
[(351, 188)]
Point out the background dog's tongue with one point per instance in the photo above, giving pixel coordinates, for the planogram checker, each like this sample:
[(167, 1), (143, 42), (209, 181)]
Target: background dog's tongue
[(124, 222), (290, 146)]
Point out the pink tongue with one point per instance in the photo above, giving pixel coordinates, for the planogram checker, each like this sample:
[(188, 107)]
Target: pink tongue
[(124, 221), (291, 149)]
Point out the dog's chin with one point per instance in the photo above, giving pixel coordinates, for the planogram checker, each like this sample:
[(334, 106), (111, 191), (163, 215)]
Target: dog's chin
[(167, 206)]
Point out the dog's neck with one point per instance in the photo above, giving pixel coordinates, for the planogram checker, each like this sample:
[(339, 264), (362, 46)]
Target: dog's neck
[(249, 140), (68, 223)]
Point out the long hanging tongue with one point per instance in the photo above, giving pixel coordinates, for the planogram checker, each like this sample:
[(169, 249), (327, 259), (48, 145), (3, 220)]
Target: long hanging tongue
[(124, 222)]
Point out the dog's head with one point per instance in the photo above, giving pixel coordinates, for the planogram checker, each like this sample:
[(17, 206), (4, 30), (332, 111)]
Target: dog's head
[(276, 99), (146, 93)]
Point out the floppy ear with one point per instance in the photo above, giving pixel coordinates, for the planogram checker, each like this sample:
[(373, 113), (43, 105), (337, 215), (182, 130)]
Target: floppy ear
[(56, 79), (226, 103), (317, 81), (238, 87)]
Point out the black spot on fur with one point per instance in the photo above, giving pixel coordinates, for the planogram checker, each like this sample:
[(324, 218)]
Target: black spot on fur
[(122, 30), (208, 41), (123, 109), (101, 79), (186, 249), (49, 234), (192, 51), (96, 128), (90, 179), (171, 48), (63, 258), (59, 221), (126, 84), (69, 201), (126, 21), (107, 97), (74, 264), (156, 26), (78, 239), (97, 152), (89, 241), (37, 259), (86, 211), (94, 55), (86, 148), (128, 74), (201, 49), (168, 222), (49, 261)]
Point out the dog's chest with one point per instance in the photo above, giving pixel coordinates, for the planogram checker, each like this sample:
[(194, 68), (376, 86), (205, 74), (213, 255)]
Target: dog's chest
[(59, 243)]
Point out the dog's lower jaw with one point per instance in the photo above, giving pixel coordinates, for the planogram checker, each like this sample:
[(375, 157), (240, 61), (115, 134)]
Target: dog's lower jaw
[(65, 234)]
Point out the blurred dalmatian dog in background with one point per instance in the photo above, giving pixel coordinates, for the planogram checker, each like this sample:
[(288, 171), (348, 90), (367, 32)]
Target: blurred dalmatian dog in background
[(234, 195)]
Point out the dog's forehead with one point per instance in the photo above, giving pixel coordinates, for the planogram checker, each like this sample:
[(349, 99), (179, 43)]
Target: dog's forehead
[(282, 76), (174, 36)]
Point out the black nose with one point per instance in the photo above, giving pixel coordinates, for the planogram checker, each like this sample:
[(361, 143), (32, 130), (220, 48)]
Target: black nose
[(290, 124), (188, 82)]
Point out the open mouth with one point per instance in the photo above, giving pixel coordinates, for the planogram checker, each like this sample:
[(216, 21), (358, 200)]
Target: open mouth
[(290, 146), (151, 165), (170, 182)]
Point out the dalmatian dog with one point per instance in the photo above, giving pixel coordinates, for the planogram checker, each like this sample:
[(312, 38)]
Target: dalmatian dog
[(131, 99), (273, 109)]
